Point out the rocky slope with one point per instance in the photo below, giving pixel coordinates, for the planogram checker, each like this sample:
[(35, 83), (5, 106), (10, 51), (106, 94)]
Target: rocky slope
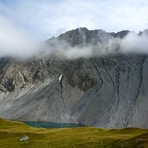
[(103, 91)]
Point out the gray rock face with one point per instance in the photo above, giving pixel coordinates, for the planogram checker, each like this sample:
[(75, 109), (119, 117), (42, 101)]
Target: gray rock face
[(116, 101), (108, 91)]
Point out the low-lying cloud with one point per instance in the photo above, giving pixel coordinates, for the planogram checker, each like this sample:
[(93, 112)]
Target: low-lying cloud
[(42, 19), (13, 41), (131, 43), (135, 43)]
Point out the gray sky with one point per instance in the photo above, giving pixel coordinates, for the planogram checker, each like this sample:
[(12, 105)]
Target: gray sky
[(22, 21), (47, 18)]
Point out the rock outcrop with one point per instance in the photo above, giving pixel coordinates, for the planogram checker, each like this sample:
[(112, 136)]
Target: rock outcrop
[(105, 91)]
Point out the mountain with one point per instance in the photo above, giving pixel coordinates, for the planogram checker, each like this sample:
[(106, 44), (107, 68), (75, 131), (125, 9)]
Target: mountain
[(106, 90)]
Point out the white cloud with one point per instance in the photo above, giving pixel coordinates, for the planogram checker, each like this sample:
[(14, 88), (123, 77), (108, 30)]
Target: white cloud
[(131, 43), (20, 20), (47, 17), (135, 44), (13, 41)]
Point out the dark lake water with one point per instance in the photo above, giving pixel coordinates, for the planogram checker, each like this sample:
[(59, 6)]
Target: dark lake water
[(51, 125)]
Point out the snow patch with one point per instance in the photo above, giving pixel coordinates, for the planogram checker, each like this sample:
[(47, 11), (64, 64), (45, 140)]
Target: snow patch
[(60, 77)]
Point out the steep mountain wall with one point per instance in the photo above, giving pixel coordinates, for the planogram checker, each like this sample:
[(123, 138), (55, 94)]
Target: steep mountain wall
[(105, 91)]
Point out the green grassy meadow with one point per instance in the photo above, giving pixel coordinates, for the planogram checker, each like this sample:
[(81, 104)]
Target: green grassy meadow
[(82, 137)]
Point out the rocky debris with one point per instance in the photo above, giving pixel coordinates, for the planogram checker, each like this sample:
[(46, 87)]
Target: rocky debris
[(107, 91), (2, 88)]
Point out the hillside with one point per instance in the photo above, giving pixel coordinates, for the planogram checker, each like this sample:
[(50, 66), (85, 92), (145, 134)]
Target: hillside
[(103, 90), (70, 137)]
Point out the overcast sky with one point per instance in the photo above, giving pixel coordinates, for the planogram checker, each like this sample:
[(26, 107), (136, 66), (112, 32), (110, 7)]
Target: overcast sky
[(23, 22), (47, 18)]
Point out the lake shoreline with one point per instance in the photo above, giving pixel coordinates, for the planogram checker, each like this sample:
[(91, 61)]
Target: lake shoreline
[(39, 124)]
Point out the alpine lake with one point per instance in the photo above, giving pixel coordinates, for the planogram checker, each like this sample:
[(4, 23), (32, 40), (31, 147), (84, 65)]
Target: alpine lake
[(52, 125)]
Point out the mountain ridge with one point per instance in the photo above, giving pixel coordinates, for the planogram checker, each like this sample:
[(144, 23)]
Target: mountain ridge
[(102, 91)]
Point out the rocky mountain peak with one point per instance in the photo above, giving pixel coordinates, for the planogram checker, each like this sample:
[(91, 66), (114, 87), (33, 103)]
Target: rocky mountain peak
[(120, 34), (83, 36), (103, 91), (145, 32)]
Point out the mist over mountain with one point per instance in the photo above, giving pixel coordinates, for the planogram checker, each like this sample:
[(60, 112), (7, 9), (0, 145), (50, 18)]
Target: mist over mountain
[(73, 44), (82, 42), (83, 76)]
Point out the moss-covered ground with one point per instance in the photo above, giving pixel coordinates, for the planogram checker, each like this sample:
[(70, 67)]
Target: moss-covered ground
[(82, 137)]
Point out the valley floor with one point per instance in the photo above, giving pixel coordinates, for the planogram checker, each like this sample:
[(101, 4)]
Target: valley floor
[(83, 137)]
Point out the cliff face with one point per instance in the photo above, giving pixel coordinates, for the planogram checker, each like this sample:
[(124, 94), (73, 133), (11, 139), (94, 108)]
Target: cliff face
[(118, 100), (105, 91)]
